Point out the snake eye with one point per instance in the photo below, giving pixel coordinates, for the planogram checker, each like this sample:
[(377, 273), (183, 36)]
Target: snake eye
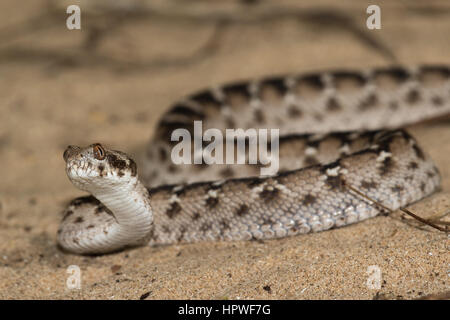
[(99, 152)]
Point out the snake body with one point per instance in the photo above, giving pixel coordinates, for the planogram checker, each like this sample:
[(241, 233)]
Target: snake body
[(338, 129)]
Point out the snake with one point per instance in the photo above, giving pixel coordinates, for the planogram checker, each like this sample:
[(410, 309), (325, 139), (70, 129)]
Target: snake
[(338, 128)]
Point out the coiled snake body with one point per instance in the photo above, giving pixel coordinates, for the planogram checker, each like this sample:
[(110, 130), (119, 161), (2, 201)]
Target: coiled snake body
[(338, 128)]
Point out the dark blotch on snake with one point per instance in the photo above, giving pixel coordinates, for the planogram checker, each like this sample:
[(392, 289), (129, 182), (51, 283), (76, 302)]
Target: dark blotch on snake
[(397, 74), (443, 71), (413, 165), (79, 220), (397, 188), (162, 154), (310, 142), (335, 182), (133, 168), (319, 117), (310, 161), (313, 80), (387, 166), (173, 210), (237, 89), (214, 186), (277, 84), (187, 111), (212, 202), (84, 200), (413, 96), (368, 184), (294, 111), (419, 152), (115, 162), (393, 105), (369, 102), (437, 101), (333, 104), (230, 122), (68, 213), (422, 186), (309, 200), (357, 78), (268, 221), (205, 226), (179, 192), (206, 97), (242, 210), (165, 129), (269, 195), (182, 232), (225, 224), (99, 210), (259, 116), (226, 173)]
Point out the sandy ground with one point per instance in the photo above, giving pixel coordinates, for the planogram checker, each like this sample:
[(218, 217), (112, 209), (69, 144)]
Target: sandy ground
[(110, 83)]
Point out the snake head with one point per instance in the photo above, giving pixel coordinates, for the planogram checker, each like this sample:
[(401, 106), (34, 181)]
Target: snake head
[(95, 167)]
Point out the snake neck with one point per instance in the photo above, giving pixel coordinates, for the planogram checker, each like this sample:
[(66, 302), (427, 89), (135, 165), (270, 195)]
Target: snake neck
[(130, 204), (121, 217)]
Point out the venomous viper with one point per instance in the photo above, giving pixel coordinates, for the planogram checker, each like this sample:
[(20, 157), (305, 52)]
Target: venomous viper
[(338, 129)]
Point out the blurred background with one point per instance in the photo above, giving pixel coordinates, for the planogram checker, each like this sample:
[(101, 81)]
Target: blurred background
[(111, 81)]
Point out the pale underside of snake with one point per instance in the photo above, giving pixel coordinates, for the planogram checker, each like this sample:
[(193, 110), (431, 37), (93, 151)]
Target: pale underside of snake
[(337, 128)]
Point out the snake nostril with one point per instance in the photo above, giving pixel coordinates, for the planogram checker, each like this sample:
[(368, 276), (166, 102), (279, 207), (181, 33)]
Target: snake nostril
[(70, 151), (66, 154)]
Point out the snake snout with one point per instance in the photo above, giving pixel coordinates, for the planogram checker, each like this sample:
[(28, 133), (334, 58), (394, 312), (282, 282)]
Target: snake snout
[(70, 151)]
